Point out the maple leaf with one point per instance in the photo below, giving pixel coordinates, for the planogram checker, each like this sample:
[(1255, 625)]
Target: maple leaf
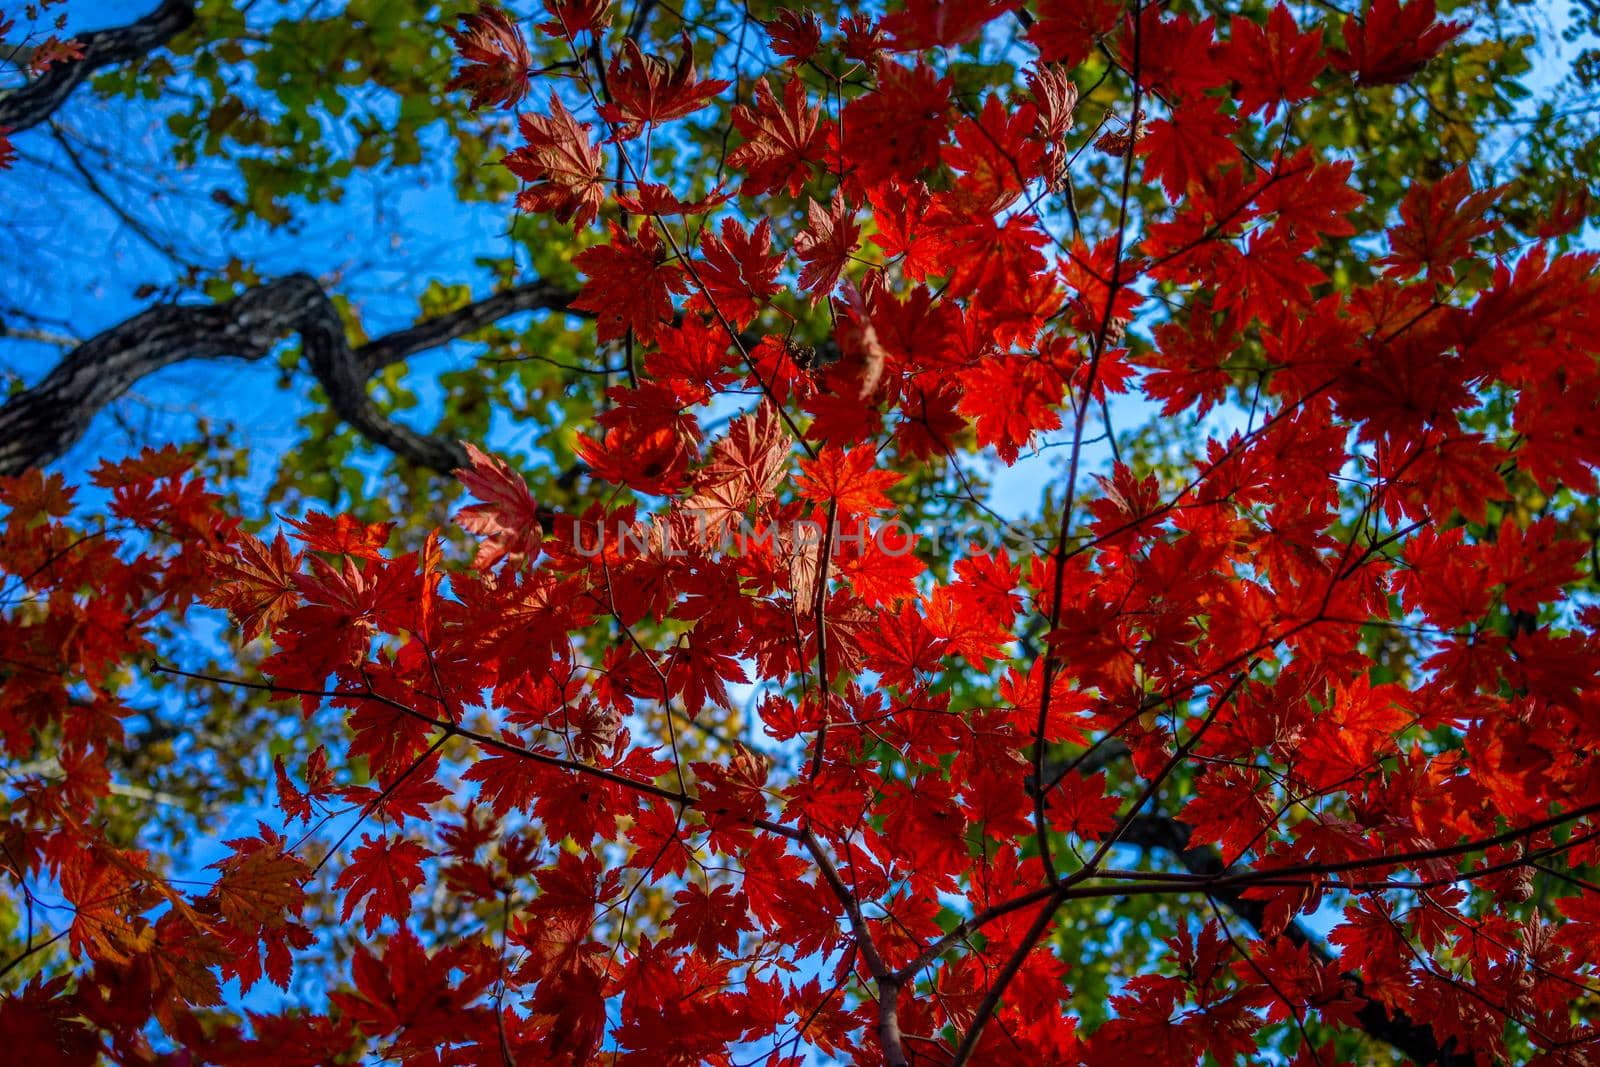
[(1359, 724), (1011, 400), (1098, 304), (653, 198), (850, 478), (699, 670), (896, 131), (925, 24), (647, 91), (1081, 806), (1310, 199), (1394, 41), (1066, 30), (1438, 222), (256, 584), (1533, 565), (732, 797), (382, 871), (1568, 212), (794, 35), (900, 216), (709, 921), (739, 271), (568, 18), (508, 521), (40, 1015), (826, 245), (260, 882), (1272, 63), (781, 140), (659, 842), (996, 155), (1228, 810), (1055, 98), (883, 571), (410, 989), (1186, 366), (342, 535), (745, 465), (507, 781), (648, 443), (1189, 146), (497, 58), (902, 647), (564, 167), (630, 284), (107, 892), (693, 355)]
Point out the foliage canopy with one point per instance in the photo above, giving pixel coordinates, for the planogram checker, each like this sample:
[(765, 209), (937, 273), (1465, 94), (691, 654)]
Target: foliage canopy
[(700, 684)]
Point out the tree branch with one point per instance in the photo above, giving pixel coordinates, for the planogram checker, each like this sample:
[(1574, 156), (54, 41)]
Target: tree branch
[(36, 101), (1415, 1040), (39, 424)]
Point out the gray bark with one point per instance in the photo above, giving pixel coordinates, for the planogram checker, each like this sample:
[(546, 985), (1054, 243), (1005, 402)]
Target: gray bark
[(34, 102), (39, 424)]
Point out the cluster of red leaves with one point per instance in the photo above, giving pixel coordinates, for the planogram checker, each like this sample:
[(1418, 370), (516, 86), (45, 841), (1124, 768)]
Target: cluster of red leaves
[(1217, 625), (77, 601)]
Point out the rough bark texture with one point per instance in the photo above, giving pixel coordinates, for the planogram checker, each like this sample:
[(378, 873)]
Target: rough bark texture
[(41, 423), (34, 102), (1416, 1040)]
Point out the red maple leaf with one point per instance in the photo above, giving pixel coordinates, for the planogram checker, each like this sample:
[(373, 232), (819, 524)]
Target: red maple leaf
[(497, 58), (826, 245), (630, 284), (568, 18), (925, 24), (781, 139), (342, 535), (1272, 63), (1080, 805), (795, 35), (1394, 41), (382, 871), (709, 922), (997, 155), (564, 167), (1188, 147), (739, 271), (896, 131), (1438, 222), (256, 584), (508, 522), (850, 478), (1066, 30), (746, 464), (646, 90)]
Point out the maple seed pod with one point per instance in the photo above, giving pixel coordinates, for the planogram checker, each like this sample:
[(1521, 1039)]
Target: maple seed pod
[(804, 356)]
